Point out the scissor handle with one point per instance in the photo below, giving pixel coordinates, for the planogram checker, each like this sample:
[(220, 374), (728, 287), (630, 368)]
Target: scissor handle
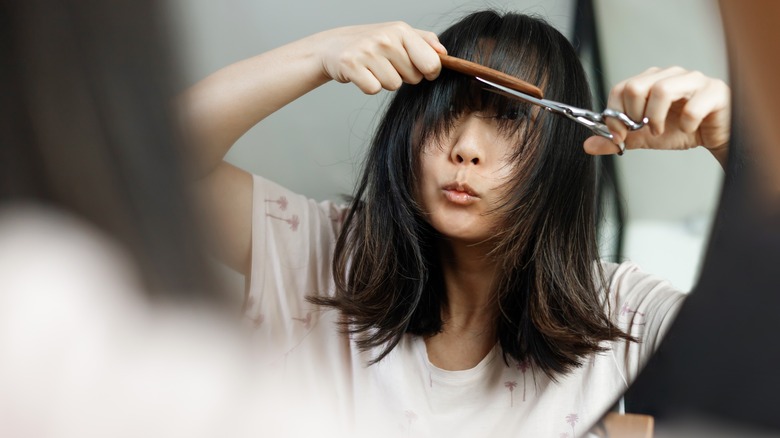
[(584, 114), (630, 123)]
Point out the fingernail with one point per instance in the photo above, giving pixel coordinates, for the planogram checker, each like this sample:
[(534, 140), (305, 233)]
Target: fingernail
[(622, 147)]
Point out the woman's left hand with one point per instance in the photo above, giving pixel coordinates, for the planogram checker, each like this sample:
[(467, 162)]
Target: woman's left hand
[(686, 109)]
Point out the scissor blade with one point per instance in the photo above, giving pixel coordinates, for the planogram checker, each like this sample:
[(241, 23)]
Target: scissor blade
[(577, 115), (544, 103)]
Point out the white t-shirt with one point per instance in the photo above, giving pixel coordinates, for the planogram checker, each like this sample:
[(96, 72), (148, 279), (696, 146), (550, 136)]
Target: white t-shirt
[(321, 370)]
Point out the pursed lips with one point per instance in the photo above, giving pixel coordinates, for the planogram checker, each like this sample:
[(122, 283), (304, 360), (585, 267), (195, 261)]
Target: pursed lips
[(460, 193)]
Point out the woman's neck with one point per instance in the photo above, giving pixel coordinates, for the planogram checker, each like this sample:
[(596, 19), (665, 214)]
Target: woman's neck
[(468, 281), (468, 329)]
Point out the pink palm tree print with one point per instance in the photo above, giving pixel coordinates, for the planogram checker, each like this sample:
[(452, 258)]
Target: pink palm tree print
[(305, 320), (626, 310), (510, 385), (572, 419), (281, 202), (293, 221), (523, 367)]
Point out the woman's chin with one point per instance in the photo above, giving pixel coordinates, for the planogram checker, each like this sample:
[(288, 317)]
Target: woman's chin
[(462, 232)]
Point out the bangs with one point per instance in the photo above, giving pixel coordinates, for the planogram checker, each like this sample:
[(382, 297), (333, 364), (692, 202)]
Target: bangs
[(502, 45), (546, 147)]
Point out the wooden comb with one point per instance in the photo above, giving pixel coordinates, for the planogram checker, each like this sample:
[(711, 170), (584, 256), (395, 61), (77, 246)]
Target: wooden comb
[(474, 69)]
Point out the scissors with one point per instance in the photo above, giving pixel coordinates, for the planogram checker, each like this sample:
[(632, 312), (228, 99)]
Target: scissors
[(516, 88)]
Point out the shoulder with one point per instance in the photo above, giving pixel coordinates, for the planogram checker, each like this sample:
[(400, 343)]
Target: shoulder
[(628, 279), (628, 284), (641, 303), (293, 245), (285, 209)]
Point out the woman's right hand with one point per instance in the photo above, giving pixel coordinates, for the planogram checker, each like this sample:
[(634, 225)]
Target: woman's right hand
[(378, 56), (221, 108)]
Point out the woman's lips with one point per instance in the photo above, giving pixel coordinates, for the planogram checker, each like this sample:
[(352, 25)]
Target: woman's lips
[(460, 194)]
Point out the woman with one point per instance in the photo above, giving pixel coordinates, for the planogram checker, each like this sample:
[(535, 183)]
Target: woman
[(464, 274)]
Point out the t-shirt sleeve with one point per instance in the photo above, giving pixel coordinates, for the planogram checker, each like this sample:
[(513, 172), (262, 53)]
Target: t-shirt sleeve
[(643, 305), (293, 239)]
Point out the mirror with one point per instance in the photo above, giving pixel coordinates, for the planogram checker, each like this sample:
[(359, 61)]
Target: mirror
[(670, 196)]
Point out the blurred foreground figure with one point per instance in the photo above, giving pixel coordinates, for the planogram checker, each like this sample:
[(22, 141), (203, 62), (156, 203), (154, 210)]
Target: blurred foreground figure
[(101, 268), (716, 372)]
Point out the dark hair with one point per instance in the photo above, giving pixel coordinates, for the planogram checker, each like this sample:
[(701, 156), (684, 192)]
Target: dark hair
[(552, 310), (86, 127)]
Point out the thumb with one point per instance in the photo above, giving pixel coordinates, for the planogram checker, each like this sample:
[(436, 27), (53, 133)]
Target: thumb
[(598, 145), (433, 39)]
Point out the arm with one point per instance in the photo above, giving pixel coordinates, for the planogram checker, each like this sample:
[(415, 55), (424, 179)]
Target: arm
[(222, 107), (686, 109)]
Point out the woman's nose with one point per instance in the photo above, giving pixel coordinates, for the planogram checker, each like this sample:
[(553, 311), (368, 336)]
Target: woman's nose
[(465, 156), (469, 147)]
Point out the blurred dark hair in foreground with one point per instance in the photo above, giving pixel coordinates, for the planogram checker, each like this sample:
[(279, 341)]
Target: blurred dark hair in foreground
[(86, 127)]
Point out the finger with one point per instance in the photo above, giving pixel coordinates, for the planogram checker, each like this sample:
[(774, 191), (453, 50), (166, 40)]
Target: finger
[(630, 97), (618, 129), (615, 98), (639, 139), (433, 40), (364, 79), (615, 102), (709, 100), (598, 145), (665, 92), (405, 68), (637, 90), (422, 48), (391, 45), (387, 75)]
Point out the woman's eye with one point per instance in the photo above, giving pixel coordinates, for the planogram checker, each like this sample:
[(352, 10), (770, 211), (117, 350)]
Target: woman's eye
[(511, 114)]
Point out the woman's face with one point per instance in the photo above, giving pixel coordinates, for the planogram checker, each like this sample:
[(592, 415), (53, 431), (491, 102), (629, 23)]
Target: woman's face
[(463, 177)]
